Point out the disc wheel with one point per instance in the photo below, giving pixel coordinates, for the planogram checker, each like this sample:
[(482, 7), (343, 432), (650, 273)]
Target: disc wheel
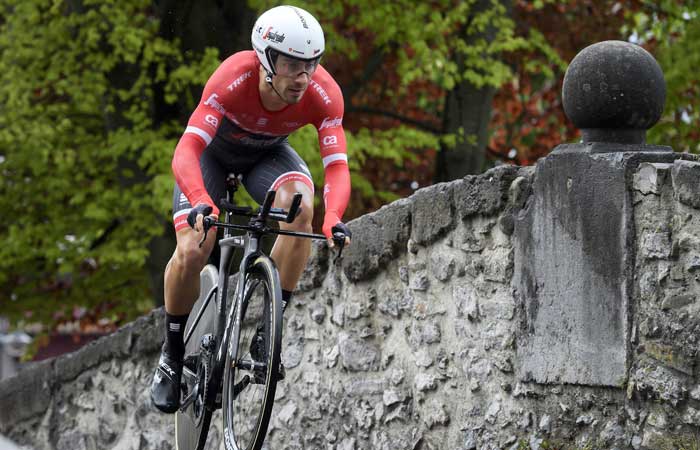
[(192, 422), (253, 360)]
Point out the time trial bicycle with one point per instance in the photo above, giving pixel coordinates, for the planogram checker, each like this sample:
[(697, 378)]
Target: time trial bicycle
[(232, 351)]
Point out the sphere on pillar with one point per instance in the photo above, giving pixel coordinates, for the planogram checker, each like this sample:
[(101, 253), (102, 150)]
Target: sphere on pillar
[(613, 92)]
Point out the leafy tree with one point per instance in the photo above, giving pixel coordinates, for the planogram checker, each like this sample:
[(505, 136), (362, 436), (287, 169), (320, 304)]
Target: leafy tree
[(671, 30), (84, 166), (528, 119)]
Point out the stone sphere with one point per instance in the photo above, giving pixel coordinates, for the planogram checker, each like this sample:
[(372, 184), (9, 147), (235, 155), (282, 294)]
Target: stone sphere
[(614, 85)]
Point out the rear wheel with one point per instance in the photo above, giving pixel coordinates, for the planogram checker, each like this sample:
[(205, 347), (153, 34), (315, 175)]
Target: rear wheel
[(192, 422), (253, 360)]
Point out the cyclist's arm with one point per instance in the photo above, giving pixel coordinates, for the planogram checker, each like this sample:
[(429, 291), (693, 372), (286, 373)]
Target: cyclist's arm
[(336, 189), (201, 129)]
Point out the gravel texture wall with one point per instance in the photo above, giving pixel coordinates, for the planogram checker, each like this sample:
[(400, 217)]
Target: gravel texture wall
[(449, 325)]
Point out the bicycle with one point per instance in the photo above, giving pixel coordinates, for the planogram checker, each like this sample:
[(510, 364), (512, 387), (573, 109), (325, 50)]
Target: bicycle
[(219, 337)]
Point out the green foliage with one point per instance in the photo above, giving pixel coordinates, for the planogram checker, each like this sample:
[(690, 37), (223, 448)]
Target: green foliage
[(674, 26), (84, 170)]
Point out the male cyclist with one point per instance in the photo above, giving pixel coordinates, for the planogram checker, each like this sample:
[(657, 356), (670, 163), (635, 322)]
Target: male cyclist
[(248, 107)]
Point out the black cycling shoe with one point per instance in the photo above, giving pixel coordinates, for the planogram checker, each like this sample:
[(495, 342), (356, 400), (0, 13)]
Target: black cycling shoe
[(258, 353), (165, 389)]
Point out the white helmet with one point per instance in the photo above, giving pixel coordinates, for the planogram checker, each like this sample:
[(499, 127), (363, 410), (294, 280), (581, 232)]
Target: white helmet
[(287, 30)]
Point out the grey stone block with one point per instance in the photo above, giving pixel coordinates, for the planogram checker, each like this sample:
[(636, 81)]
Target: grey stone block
[(26, 395), (431, 213), (485, 194), (570, 260), (148, 332), (686, 182), (377, 238), (650, 177)]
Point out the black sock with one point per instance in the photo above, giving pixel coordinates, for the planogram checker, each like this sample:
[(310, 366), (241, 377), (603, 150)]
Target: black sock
[(174, 334), (286, 297)]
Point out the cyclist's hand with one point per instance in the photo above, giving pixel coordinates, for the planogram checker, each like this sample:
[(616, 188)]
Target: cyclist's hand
[(196, 216), (341, 235)]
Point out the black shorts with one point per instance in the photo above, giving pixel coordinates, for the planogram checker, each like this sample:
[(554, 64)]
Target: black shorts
[(261, 169)]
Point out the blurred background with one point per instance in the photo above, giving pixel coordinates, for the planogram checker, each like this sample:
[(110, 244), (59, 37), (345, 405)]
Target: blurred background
[(94, 95)]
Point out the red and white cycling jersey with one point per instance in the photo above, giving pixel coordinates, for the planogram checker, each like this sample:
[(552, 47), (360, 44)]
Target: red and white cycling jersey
[(231, 109)]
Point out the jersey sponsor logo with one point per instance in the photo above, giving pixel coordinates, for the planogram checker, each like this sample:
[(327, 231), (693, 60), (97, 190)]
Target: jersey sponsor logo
[(238, 81), (331, 123), (211, 101), (272, 36), (261, 122), (211, 121), (292, 124), (322, 92), (330, 140)]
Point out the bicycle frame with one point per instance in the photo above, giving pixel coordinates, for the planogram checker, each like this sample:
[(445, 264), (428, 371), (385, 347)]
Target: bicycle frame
[(250, 243)]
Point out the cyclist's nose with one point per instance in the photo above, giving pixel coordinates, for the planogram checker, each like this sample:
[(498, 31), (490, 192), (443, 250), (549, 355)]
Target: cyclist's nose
[(303, 77)]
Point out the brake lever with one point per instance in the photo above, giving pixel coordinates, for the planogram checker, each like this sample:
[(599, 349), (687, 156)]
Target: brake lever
[(207, 224), (339, 240)]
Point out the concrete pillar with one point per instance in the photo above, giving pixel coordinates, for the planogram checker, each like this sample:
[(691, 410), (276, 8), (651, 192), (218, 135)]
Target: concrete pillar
[(574, 252)]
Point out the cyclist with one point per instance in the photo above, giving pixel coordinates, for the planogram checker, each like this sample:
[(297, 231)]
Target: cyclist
[(248, 107)]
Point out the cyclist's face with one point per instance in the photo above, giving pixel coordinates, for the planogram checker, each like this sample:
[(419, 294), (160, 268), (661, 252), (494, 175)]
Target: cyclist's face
[(293, 77)]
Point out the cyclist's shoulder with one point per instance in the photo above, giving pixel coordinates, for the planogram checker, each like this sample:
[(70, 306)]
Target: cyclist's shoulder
[(325, 90), (243, 60), (235, 72)]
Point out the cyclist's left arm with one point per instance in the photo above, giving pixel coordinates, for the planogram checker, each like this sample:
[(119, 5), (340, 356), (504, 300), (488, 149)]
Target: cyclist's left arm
[(331, 138)]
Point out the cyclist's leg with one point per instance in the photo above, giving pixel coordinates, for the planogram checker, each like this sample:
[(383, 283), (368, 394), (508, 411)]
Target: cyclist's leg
[(188, 260), (283, 170), (182, 288)]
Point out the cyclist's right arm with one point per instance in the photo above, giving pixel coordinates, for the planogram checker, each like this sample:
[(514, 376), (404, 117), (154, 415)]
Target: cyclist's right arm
[(201, 129)]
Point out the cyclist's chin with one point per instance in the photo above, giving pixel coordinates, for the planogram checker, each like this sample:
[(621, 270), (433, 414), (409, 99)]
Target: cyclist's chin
[(294, 96)]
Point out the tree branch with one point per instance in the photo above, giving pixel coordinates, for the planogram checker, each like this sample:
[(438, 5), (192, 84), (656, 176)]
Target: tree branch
[(392, 115), (371, 66)]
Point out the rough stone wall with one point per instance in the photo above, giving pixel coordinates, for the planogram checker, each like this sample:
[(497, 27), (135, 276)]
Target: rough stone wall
[(412, 341)]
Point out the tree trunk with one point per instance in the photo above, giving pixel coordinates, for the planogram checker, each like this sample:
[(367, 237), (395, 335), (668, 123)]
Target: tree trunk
[(467, 108), (467, 114)]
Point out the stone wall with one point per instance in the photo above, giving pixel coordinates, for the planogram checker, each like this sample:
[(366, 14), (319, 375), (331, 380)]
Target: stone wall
[(457, 320)]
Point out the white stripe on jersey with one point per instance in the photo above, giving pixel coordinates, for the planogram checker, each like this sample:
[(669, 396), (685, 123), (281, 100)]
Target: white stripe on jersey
[(334, 157), (199, 132), (181, 213)]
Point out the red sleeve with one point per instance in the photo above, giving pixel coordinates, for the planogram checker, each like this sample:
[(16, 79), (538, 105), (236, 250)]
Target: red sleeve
[(201, 129), (331, 138)]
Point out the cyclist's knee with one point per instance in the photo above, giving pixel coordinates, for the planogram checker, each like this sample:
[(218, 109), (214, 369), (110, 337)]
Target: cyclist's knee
[(284, 197), (188, 255)]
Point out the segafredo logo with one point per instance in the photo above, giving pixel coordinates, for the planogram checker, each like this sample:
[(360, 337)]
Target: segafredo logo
[(331, 123), (273, 36), (211, 101), (238, 81), (324, 95)]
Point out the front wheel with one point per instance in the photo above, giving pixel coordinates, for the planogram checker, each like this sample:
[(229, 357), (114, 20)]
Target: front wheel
[(253, 359), (192, 421)]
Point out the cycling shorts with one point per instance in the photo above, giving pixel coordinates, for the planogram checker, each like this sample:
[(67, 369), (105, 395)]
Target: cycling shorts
[(261, 169)]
